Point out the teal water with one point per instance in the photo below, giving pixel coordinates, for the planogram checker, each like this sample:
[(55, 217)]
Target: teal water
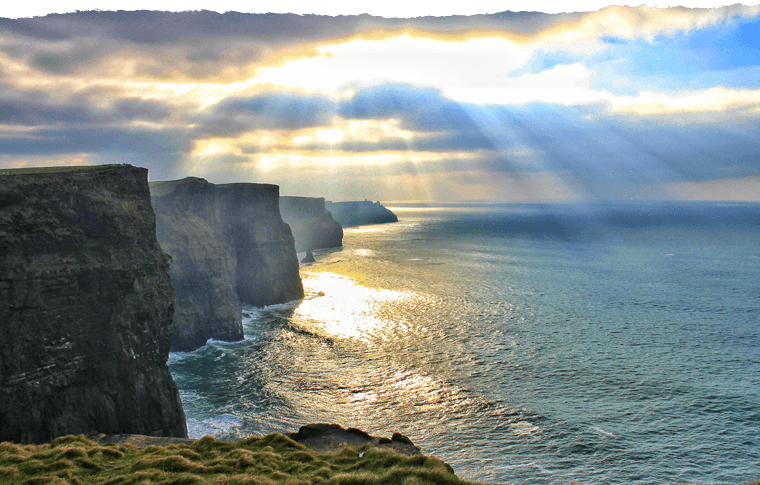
[(609, 343)]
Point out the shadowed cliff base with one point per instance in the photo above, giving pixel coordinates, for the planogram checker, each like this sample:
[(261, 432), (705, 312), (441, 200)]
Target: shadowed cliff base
[(86, 307), (229, 246), (358, 213)]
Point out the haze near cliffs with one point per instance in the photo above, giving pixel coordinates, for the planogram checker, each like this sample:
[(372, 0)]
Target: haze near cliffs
[(229, 247)]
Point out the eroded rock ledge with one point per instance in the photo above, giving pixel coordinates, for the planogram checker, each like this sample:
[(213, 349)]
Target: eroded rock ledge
[(86, 307), (229, 246), (320, 437)]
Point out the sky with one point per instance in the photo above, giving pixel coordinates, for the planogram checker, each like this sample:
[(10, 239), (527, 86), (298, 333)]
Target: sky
[(645, 102)]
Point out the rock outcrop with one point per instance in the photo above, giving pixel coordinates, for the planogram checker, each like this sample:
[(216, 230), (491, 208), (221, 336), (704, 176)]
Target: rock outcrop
[(229, 246), (357, 213), (86, 307), (312, 225)]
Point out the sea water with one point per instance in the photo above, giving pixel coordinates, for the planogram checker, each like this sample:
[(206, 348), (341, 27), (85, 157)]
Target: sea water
[(585, 343)]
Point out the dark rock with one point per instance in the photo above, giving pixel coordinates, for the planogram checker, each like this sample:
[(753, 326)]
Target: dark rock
[(309, 258), (327, 438), (358, 213), (86, 307), (401, 438), (229, 247), (312, 225)]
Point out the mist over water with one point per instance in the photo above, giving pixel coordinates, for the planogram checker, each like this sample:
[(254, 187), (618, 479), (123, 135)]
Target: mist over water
[(520, 343)]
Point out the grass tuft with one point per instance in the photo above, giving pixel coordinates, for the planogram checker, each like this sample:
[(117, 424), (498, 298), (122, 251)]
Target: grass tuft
[(274, 459)]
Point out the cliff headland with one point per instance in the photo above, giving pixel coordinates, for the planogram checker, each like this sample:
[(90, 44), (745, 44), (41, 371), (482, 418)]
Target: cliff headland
[(86, 307), (357, 213), (229, 246), (312, 224)]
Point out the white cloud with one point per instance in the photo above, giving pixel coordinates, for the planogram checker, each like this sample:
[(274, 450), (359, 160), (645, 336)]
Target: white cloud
[(563, 84), (696, 102), (480, 63), (643, 22)]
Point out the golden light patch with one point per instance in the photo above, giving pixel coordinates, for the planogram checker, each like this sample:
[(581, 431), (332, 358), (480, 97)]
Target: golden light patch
[(414, 59), (298, 159), (355, 317), (79, 159), (713, 100), (215, 147), (340, 130), (641, 22)]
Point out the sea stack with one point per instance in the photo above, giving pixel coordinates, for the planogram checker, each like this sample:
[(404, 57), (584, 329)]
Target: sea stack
[(229, 247), (86, 307)]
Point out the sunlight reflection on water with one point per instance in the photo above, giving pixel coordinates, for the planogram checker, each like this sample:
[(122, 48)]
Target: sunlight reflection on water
[(339, 307)]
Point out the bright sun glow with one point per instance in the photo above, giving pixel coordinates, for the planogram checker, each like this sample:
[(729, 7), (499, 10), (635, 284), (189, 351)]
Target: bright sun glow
[(339, 307)]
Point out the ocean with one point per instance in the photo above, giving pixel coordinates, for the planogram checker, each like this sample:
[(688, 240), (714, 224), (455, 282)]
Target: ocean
[(520, 343)]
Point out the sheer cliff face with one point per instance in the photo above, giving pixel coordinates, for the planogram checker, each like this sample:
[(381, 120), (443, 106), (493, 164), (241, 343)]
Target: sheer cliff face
[(229, 246), (86, 307), (312, 225)]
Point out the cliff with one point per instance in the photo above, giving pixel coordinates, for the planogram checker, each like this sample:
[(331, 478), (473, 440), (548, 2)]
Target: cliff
[(312, 225), (86, 307), (229, 246), (357, 213)]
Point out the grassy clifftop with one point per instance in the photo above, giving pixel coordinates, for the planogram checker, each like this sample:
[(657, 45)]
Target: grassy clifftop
[(272, 459)]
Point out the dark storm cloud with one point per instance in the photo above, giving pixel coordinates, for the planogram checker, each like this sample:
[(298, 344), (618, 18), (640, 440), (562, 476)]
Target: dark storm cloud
[(147, 27), (421, 109), (26, 112), (65, 60), (276, 110), (69, 140), (162, 27), (234, 116)]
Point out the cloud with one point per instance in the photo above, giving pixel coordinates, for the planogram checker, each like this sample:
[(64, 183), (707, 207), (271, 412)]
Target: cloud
[(150, 27), (278, 110), (706, 102), (643, 22), (420, 109), (25, 112)]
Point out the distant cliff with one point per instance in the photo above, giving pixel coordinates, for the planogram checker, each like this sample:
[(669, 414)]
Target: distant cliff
[(357, 213), (312, 225), (229, 246), (86, 307)]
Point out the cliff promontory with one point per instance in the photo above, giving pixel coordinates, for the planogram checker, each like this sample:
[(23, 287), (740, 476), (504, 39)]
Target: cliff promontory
[(312, 225), (229, 246), (357, 213), (86, 307)]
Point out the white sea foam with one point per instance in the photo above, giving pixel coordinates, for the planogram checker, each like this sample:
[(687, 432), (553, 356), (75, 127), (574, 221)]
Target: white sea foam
[(602, 432), (216, 426)]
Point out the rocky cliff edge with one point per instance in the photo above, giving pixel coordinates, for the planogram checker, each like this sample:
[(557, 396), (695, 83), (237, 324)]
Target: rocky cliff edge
[(86, 307), (229, 246)]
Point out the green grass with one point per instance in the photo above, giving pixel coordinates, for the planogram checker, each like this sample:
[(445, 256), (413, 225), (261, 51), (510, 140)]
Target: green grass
[(269, 460)]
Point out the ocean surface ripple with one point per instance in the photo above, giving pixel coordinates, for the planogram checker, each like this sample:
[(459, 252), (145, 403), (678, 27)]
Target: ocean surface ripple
[(609, 343)]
